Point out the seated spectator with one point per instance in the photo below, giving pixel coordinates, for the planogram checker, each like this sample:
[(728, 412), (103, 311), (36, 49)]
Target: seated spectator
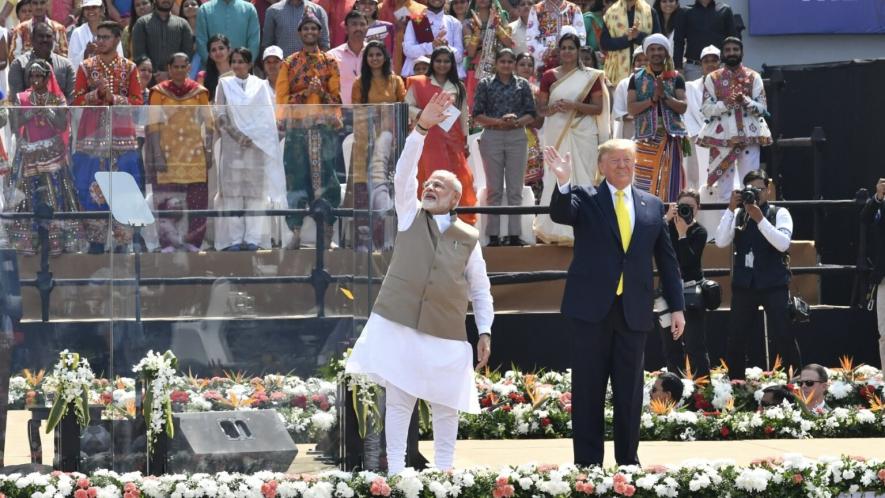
[(667, 388), (813, 382), (775, 396)]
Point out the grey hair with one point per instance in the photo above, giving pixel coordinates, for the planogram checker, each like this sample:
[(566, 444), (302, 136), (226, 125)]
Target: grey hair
[(450, 177), (821, 372)]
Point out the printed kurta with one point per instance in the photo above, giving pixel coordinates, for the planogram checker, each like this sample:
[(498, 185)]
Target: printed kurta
[(545, 27), (20, 39), (180, 129)]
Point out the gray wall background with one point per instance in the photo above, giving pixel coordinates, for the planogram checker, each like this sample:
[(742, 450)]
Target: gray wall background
[(802, 49)]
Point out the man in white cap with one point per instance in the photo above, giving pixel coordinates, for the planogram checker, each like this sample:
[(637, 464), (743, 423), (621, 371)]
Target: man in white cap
[(270, 62), (656, 99), (696, 164), (734, 109), (622, 121)]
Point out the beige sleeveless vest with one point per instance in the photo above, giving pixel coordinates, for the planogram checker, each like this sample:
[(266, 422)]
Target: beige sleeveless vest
[(425, 288)]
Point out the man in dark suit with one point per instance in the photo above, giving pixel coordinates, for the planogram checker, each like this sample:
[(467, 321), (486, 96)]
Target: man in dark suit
[(609, 295), (874, 214)]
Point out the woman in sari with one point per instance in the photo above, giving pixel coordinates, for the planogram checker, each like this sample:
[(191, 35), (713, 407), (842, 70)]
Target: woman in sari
[(534, 170), (486, 31), (41, 171), (575, 101), (443, 149), (250, 162)]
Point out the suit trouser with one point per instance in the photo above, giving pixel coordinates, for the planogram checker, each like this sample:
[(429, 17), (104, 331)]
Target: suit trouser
[(399, 406), (601, 350), (692, 343), (744, 303), (880, 315), (504, 155)]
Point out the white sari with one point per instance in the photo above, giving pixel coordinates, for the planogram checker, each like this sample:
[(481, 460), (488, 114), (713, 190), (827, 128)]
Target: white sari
[(578, 135)]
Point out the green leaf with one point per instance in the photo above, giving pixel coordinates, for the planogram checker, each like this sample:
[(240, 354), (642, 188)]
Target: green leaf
[(56, 413), (84, 400), (361, 414)]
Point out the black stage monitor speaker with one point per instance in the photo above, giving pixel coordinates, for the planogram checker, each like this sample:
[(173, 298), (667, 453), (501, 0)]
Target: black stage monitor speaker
[(233, 441)]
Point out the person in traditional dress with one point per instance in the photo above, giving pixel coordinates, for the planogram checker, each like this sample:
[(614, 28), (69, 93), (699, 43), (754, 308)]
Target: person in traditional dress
[(415, 343), (431, 30), (310, 76), (622, 121), (378, 30), (399, 13), (106, 137), (372, 144), (534, 169), (627, 23), (735, 109), (485, 33), (20, 36), (250, 165), (575, 101), (444, 149), (546, 20), (178, 146), (40, 172), (656, 99), (694, 118)]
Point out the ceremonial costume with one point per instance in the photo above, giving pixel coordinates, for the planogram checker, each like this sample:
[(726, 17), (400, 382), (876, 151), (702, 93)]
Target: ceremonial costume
[(20, 38), (618, 20), (546, 20), (387, 12)]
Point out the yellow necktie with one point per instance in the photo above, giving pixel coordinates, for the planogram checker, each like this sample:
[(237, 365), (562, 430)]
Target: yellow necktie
[(623, 215)]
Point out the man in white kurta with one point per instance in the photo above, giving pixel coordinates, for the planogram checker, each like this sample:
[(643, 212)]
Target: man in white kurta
[(696, 164), (415, 364), (622, 121)]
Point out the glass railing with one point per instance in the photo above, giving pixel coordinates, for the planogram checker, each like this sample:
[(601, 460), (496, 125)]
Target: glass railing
[(271, 231)]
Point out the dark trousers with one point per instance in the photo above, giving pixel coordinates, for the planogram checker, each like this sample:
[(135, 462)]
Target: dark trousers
[(692, 343), (602, 350), (744, 303)]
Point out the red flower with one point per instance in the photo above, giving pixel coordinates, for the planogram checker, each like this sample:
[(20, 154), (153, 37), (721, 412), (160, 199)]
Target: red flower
[(701, 403), (724, 431), (797, 478), (83, 482), (506, 408), (106, 398), (517, 398), (324, 406), (81, 493), (180, 397), (92, 492), (269, 489), (769, 430), (545, 422), (300, 401)]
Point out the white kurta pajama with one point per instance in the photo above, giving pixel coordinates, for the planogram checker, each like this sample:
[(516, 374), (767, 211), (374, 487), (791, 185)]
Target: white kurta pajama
[(411, 364)]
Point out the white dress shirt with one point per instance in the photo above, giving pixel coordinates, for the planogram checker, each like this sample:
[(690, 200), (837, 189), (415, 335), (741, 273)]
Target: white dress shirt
[(412, 49), (628, 199), (777, 235)]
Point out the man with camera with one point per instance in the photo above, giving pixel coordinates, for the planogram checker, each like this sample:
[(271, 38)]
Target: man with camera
[(688, 238), (874, 214), (760, 271)]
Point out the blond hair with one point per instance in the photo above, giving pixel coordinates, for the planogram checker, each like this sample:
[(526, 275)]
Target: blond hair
[(614, 144)]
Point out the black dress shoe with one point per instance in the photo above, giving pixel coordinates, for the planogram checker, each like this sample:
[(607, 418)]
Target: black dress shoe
[(494, 241), (514, 241)]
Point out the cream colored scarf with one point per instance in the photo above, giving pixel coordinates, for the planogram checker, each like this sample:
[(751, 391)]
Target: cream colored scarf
[(617, 62)]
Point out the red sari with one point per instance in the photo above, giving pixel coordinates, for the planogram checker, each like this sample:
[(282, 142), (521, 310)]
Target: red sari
[(443, 150)]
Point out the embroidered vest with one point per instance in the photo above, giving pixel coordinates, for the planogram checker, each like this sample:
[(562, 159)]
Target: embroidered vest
[(648, 121)]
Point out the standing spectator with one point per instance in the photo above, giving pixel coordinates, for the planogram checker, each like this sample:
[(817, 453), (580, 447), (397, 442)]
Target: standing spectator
[(273, 59), (310, 76), (378, 30), (64, 72), (336, 11), (250, 166), (689, 239), (178, 146), (261, 7), (20, 37), (504, 107), (696, 163), (82, 44), (622, 121), (219, 63), (707, 22), (429, 31), (656, 98), (672, 18), (119, 11), (518, 33), (874, 214), (189, 10), (145, 75), (4, 61), (735, 108), (141, 8), (460, 10), (283, 19), (594, 24), (24, 11), (443, 149), (534, 169), (627, 23), (546, 22), (161, 34), (485, 33), (760, 274), (236, 19), (349, 54), (64, 12), (43, 161), (105, 80), (368, 187), (575, 101), (398, 12)]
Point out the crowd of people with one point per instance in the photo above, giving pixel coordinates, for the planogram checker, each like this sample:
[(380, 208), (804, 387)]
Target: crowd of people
[(523, 74)]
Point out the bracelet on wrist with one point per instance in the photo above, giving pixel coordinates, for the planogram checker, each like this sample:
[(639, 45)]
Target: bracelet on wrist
[(421, 128)]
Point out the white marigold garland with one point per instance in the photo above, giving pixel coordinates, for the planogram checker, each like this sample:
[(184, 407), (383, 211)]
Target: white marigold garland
[(72, 379), (157, 371)]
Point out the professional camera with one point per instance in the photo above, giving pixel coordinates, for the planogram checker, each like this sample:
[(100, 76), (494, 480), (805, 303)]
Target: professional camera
[(686, 212), (750, 195)]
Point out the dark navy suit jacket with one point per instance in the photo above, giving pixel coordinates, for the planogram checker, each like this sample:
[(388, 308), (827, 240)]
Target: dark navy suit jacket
[(599, 257)]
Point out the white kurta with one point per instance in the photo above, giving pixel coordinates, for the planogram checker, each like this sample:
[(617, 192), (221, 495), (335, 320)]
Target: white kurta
[(427, 367)]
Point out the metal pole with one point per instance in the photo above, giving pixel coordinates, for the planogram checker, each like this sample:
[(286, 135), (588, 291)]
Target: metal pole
[(818, 139), (320, 211)]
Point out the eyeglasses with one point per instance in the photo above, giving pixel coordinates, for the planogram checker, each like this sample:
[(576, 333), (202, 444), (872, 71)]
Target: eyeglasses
[(810, 383), (103, 37)]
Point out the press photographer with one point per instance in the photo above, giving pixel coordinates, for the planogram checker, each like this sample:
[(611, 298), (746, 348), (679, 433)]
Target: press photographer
[(688, 238), (760, 273)]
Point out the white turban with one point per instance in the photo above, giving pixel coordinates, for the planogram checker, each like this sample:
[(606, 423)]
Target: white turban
[(657, 39)]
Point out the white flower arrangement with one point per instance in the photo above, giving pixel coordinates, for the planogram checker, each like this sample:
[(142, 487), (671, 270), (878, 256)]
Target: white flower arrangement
[(71, 380), (157, 371)]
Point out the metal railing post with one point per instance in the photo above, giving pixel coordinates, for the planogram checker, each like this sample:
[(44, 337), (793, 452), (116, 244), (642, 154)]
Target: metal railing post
[(321, 212), (818, 139), (43, 214)]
